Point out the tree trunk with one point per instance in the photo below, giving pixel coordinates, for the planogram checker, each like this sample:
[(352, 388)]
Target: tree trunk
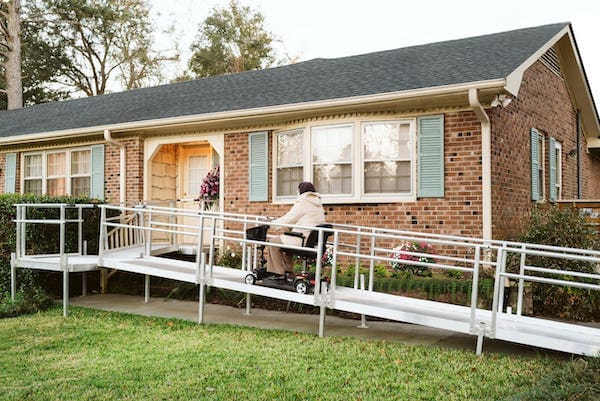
[(14, 84)]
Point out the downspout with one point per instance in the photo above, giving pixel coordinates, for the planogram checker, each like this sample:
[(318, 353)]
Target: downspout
[(578, 142), (122, 167), (486, 162)]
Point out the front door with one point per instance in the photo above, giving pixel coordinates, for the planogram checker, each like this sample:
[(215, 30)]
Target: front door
[(194, 163)]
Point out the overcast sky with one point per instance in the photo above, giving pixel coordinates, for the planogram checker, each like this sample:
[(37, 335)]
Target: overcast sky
[(335, 28)]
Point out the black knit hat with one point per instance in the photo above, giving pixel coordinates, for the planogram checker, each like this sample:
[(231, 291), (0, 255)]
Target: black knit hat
[(306, 187)]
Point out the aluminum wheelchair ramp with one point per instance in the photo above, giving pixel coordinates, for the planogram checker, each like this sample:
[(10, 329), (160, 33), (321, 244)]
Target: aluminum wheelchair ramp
[(132, 239)]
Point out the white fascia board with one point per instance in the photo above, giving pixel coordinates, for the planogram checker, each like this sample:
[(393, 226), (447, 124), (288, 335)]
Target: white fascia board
[(593, 143), (256, 112), (513, 81)]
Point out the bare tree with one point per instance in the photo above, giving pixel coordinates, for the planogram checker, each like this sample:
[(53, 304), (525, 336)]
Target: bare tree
[(10, 51)]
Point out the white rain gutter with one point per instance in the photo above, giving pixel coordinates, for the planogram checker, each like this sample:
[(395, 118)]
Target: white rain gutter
[(122, 166), (486, 162)]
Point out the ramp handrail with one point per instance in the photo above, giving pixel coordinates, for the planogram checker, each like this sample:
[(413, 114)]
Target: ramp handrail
[(21, 222)]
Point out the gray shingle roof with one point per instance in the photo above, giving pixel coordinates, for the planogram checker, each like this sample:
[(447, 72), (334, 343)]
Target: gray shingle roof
[(474, 59)]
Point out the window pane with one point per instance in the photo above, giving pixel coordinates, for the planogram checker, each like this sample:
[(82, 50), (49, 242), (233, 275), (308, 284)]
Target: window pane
[(290, 149), (384, 141), (80, 186), (80, 162), (33, 166), (33, 187), (56, 187), (387, 177), (332, 144), (56, 164), (333, 178), (197, 171), (288, 180)]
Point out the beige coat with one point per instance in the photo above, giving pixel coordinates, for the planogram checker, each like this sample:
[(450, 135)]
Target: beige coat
[(307, 211)]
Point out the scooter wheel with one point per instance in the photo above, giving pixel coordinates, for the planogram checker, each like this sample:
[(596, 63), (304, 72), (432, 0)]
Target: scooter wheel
[(301, 287), (250, 279)]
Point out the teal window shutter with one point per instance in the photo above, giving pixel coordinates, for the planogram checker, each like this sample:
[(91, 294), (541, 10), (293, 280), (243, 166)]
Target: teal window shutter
[(10, 176), (552, 163), (431, 156), (97, 179), (535, 168), (258, 167)]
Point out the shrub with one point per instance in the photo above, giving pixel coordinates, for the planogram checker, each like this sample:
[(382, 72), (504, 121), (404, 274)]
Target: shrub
[(565, 228), (403, 257), (29, 300)]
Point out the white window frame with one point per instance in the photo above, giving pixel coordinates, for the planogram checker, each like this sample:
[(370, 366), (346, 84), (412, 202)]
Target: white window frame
[(45, 176), (558, 178), (542, 166), (287, 198), (358, 194), (23, 179)]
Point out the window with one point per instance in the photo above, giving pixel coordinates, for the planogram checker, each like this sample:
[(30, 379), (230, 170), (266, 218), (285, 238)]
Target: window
[(387, 158), (541, 166), (555, 169), (57, 173), (32, 174), (55, 184), (537, 165), (80, 173), (351, 162), (290, 170), (332, 159)]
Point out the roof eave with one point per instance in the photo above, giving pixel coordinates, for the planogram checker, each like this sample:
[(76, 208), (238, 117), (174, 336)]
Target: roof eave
[(575, 77), (495, 84)]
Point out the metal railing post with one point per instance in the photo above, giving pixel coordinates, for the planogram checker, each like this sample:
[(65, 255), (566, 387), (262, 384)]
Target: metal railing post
[(499, 264), (372, 262), (521, 281), (475, 286), (148, 249), (19, 232), (79, 230), (13, 278), (357, 260), (317, 289), (102, 240)]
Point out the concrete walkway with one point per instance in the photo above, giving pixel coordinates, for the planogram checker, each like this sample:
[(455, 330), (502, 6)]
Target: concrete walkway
[(301, 322)]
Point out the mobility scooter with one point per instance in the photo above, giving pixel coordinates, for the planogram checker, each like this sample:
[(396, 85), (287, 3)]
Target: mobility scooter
[(302, 282)]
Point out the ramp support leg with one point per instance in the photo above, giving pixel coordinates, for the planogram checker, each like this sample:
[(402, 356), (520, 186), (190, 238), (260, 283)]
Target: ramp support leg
[(146, 289), (248, 304), (480, 333), (201, 304), (13, 278), (65, 292), (322, 321), (84, 284)]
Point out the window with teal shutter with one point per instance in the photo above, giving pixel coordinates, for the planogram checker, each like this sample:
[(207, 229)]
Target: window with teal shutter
[(552, 163), (10, 176), (258, 143), (537, 165), (431, 156), (97, 178)]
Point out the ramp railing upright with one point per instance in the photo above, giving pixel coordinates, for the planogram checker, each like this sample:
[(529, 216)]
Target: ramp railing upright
[(64, 248)]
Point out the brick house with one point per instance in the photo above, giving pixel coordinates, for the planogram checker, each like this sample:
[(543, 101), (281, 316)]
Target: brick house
[(460, 137)]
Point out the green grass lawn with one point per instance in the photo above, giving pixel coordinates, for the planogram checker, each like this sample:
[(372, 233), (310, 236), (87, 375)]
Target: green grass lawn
[(96, 355)]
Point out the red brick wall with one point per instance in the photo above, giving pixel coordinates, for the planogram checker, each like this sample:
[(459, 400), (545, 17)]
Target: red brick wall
[(134, 149), (543, 103), (458, 213), (590, 172)]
